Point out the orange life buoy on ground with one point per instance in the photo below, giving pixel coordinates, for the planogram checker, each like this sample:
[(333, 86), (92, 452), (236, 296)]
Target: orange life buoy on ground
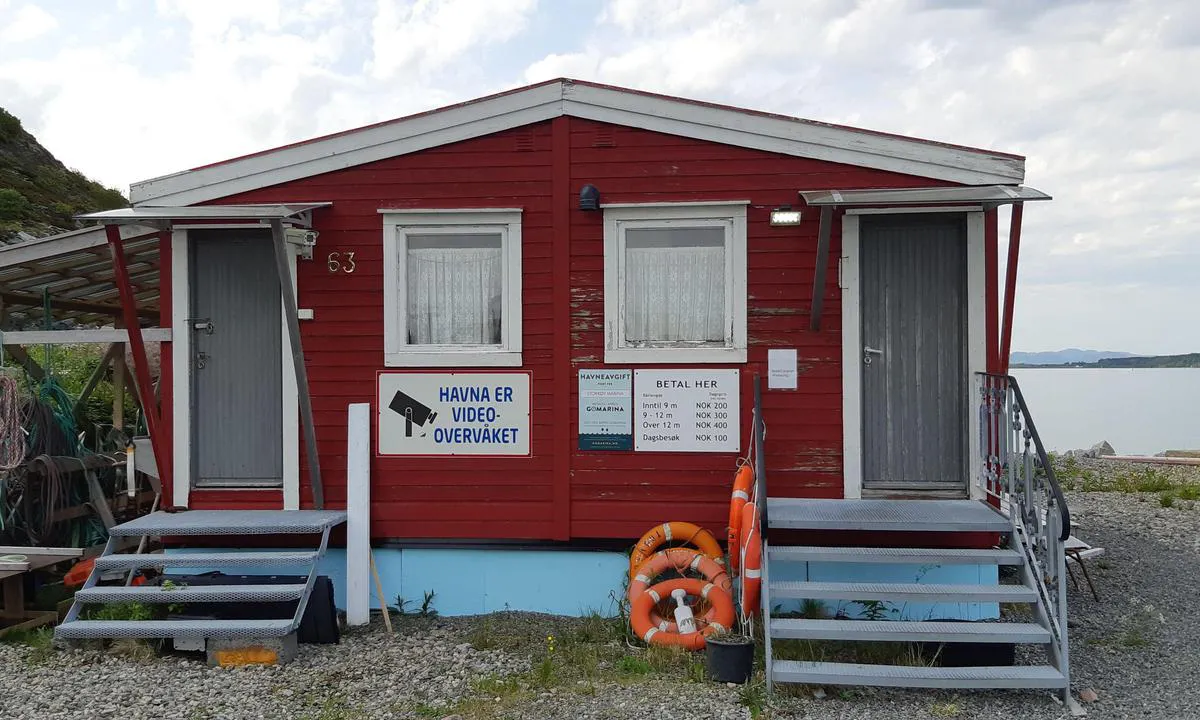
[(639, 615), (751, 542), (679, 560), (675, 532), (743, 484)]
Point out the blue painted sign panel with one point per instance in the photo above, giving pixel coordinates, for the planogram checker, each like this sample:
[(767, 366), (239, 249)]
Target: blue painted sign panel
[(605, 409)]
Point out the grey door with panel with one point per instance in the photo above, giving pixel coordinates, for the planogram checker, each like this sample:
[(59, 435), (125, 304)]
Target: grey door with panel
[(237, 374), (913, 280)]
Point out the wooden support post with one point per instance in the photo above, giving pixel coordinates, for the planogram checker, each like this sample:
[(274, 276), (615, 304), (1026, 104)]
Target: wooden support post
[(1010, 284), (822, 269), (291, 314), (141, 365), (118, 386)]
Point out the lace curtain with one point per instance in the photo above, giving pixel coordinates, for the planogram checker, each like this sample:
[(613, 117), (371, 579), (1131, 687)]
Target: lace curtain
[(454, 295), (674, 294)]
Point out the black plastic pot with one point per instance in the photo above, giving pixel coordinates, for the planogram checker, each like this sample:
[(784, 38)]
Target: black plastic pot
[(730, 658)]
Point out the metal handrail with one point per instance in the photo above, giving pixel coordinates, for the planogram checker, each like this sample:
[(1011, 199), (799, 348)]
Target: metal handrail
[(1059, 499)]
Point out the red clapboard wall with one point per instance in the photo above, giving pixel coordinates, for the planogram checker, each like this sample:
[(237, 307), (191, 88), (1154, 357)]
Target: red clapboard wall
[(559, 493)]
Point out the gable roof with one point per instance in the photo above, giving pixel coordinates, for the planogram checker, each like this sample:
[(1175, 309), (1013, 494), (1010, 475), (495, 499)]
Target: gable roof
[(620, 106)]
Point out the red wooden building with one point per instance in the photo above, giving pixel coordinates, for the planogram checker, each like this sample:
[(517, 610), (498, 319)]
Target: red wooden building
[(509, 169)]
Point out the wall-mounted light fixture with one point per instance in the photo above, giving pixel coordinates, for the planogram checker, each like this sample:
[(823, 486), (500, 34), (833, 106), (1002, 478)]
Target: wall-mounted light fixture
[(785, 215), (589, 198)]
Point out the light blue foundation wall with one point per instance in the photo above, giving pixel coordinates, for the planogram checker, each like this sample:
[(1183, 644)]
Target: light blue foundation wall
[(879, 573), (577, 582)]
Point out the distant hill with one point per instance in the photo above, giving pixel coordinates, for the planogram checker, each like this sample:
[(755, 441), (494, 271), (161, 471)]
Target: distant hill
[(38, 194), (1064, 357), (1188, 360)]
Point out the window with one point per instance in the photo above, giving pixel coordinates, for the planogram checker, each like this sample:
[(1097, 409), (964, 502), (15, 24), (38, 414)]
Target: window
[(452, 287), (675, 283)]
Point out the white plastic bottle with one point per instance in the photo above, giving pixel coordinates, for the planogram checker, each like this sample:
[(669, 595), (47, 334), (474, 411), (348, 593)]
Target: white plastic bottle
[(683, 614)]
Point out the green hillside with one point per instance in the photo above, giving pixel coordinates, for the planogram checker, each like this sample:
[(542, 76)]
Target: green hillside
[(38, 194)]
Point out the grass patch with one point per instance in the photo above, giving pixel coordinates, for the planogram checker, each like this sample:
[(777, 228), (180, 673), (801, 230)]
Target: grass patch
[(40, 642), (1166, 499), (871, 653), (133, 649), (950, 709), (1074, 477)]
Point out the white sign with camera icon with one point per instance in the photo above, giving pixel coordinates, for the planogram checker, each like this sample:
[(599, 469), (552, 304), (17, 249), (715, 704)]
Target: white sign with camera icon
[(453, 413)]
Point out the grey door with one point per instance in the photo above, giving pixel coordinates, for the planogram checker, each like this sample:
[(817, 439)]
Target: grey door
[(237, 388), (914, 333)]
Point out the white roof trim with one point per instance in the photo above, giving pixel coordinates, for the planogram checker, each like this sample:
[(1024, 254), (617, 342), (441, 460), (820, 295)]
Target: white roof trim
[(802, 138)]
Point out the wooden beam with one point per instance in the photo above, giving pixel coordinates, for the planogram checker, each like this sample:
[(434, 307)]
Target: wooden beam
[(822, 269), (97, 375), (31, 300), (75, 337), (991, 271), (141, 364), (1010, 284), (291, 314), (28, 364)]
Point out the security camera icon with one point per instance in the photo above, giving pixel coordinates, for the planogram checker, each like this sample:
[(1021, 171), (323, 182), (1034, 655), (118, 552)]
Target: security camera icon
[(414, 412)]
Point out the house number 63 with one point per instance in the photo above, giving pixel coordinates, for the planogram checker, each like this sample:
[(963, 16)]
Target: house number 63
[(341, 262)]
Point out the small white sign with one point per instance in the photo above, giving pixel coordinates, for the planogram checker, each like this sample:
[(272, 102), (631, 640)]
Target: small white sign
[(453, 414), (686, 410), (781, 369)]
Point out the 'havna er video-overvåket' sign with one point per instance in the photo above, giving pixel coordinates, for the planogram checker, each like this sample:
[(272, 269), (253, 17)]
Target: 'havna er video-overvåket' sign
[(453, 413)]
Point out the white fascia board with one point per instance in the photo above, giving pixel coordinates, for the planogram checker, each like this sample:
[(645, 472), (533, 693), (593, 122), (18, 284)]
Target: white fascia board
[(730, 126), (356, 147), (67, 242), (791, 137)]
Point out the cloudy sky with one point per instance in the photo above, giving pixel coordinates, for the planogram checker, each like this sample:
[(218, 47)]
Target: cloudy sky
[(1103, 98)]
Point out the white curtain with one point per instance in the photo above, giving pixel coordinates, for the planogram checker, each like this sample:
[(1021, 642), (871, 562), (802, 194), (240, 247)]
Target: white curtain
[(454, 296), (675, 294)]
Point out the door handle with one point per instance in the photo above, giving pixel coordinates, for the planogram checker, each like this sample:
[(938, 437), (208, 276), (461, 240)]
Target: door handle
[(868, 351), (203, 325)]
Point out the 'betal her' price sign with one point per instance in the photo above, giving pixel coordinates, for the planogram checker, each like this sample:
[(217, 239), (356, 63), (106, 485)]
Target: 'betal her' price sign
[(453, 414), (686, 410)]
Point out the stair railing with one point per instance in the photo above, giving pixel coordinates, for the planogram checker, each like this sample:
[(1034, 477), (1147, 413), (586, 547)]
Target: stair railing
[(1015, 474)]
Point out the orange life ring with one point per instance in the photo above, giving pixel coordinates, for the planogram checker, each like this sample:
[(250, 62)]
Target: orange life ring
[(743, 483), (680, 560), (751, 541), (639, 616), (675, 531)]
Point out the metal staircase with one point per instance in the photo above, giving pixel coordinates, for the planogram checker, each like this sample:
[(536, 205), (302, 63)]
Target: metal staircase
[(1018, 502), (208, 524)]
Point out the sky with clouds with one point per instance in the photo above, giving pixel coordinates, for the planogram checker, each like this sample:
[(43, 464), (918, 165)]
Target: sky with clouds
[(1101, 96)]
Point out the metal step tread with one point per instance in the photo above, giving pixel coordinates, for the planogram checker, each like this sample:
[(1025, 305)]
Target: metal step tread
[(196, 593), (929, 592), (885, 515), (206, 559), (231, 522), (106, 629), (903, 631), (983, 677), (920, 556)]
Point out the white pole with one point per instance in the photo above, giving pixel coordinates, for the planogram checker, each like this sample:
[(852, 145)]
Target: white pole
[(358, 512)]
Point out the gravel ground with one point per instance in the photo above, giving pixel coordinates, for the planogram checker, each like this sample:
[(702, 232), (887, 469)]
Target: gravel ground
[(1136, 649)]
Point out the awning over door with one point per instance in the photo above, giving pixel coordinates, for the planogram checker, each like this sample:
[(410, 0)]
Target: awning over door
[(300, 213), (986, 195)]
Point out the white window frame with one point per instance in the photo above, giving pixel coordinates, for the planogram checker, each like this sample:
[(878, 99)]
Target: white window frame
[(397, 226), (617, 219)]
